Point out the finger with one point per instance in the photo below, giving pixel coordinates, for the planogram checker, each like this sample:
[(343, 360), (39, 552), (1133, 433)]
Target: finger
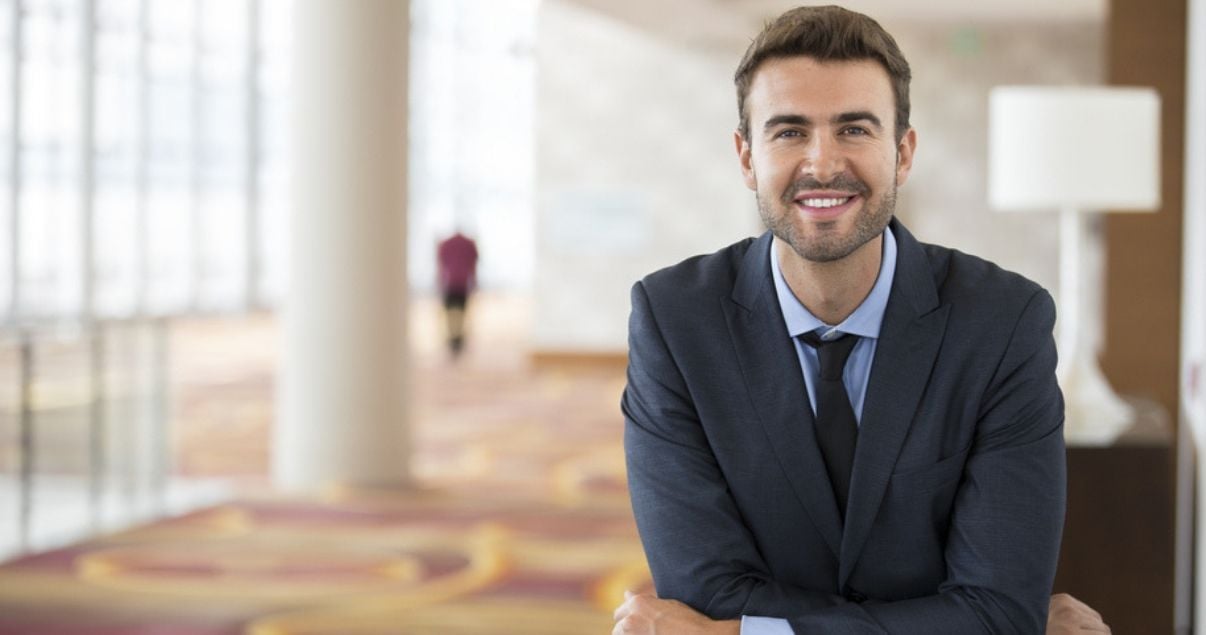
[(622, 611), (628, 594), (1085, 609), (1086, 614), (1079, 616), (1072, 602), (632, 626)]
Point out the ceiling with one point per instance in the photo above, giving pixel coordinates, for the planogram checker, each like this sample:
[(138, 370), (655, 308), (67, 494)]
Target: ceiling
[(729, 22)]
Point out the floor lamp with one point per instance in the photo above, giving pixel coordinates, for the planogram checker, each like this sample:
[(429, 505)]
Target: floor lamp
[(1078, 150)]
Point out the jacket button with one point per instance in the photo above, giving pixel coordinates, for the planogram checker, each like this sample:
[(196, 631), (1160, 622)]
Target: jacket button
[(855, 596)]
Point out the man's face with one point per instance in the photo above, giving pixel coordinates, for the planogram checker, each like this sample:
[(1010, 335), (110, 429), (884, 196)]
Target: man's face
[(822, 154)]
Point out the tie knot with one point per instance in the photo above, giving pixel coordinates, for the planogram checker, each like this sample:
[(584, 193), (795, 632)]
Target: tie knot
[(832, 353)]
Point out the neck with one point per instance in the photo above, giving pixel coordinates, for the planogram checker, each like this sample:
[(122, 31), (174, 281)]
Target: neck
[(832, 290)]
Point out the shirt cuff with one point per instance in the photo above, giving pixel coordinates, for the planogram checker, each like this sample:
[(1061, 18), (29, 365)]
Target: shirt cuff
[(764, 626)]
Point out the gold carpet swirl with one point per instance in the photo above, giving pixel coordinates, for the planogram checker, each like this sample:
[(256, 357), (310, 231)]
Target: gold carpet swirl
[(518, 522)]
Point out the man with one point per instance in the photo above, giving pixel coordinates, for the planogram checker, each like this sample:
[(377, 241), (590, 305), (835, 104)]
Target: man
[(835, 426), (457, 263)]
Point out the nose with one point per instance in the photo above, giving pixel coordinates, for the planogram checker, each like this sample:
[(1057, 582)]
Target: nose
[(822, 158)]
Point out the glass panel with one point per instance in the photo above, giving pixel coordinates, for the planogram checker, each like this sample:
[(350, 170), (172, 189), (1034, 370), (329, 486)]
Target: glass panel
[(51, 258), (61, 440), (7, 90), (10, 444), (224, 134), (171, 138), (172, 131), (117, 138), (276, 29)]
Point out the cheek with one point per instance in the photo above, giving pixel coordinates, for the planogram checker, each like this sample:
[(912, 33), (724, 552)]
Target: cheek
[(771, 173), (887, 172)]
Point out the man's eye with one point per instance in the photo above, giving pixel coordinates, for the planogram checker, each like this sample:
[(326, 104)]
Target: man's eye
[(788, 133), (854, 131)]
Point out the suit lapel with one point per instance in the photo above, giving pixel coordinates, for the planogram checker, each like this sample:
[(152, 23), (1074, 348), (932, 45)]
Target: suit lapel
[(776, 387), (910, 337)]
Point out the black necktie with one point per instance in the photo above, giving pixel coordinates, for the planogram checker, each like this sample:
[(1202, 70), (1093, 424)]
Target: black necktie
[(836, 427)]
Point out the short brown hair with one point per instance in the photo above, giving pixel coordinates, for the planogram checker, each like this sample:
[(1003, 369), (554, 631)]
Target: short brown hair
[(826, 34)]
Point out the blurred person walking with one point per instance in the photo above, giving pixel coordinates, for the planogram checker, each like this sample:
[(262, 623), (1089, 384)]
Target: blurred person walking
[(457, 266)]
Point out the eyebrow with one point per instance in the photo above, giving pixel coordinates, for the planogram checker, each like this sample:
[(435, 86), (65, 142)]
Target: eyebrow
[(801, 120)]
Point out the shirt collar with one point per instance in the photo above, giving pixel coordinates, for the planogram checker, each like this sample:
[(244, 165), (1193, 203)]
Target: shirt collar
[(866, 319)]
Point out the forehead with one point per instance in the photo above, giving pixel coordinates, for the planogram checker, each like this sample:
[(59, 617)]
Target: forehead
[(805, 86)]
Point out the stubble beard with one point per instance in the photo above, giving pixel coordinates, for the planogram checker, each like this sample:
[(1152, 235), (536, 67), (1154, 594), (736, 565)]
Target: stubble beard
[(826, 246)]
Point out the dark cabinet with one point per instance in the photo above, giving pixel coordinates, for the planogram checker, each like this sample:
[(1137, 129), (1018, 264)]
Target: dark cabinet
[(1118, 548)]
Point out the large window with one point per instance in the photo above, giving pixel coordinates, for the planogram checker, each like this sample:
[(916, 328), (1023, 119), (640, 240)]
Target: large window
[(142, 161), (143, 148)]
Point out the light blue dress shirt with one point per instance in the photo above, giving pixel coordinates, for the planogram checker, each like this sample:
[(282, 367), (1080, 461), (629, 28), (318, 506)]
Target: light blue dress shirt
[(865, 323)]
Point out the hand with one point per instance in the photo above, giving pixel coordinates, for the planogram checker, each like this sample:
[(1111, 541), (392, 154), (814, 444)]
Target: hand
[(1067, 615), (645, 614)]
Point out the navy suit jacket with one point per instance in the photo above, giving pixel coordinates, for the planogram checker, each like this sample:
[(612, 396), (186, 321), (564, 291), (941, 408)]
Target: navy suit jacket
[(957, 498)]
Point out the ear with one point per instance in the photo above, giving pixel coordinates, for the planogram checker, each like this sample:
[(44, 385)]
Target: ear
[(904, 156), (743, 157)]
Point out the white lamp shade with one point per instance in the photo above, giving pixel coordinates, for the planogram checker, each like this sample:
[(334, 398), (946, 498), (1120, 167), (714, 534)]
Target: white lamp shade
[(1086, 148)]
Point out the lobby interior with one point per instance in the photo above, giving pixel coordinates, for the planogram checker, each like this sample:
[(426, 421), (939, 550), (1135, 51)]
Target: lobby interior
[(182, 450)]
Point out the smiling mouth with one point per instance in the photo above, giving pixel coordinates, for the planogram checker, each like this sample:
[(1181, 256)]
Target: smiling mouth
[(823, 203), (825, 207)]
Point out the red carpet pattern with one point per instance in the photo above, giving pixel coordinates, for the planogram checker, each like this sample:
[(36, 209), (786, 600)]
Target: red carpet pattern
[(519, 521)]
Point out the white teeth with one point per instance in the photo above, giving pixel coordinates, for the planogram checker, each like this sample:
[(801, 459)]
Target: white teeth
[(825, 202)]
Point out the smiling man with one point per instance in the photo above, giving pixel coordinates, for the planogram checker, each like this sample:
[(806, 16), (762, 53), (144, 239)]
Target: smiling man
[(835, 428)]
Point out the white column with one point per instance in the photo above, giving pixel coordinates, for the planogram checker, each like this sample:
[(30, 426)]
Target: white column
[(342, 416)]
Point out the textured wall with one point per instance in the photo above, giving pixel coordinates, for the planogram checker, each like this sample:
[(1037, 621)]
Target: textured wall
[(635, 170)]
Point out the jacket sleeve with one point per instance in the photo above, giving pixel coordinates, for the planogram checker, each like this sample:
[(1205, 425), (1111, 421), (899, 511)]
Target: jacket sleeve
[(698, 546)]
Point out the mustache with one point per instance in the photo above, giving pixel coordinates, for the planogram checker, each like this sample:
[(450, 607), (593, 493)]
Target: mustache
[(843, 182)]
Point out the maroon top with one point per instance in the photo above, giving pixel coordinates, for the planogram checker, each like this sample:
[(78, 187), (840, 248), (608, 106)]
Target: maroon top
[(458, 263)]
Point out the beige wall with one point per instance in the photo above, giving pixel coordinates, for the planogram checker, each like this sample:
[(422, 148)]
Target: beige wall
[(636, 170), (954, 67)]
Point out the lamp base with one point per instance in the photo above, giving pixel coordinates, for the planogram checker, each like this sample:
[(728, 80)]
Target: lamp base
[(1093, 413)]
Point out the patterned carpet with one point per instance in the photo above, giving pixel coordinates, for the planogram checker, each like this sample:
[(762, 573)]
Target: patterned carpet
[(519, 522)]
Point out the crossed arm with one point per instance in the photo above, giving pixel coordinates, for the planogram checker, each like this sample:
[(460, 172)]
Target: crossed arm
[(647, 615), (703, 555)]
